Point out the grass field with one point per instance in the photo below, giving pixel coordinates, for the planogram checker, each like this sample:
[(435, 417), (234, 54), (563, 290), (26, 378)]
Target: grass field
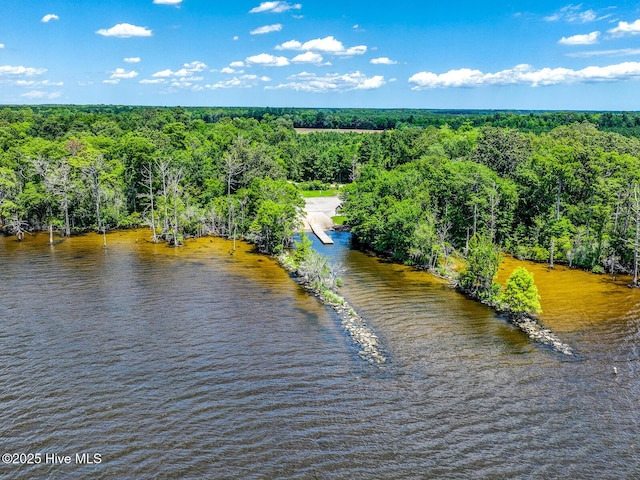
[(332, 192)]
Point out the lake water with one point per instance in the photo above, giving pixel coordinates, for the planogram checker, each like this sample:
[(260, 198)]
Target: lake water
[(195, 363)]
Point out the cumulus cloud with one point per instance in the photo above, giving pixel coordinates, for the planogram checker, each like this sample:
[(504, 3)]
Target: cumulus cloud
[(39, 94), (307, 57), (586, 39), (34, 83), (187, 70), (132, 60), (524, 75), (48, 17), (268, 60), (382, 61), (1, 45), (625, 28), (621, 52), (328, 45), (122, 74), (310, 82), (244, 81), (266, 29), (239, 64), (184, 77), (125, 30), (275, 7), (8, 70), (575, 14), (167, 2)]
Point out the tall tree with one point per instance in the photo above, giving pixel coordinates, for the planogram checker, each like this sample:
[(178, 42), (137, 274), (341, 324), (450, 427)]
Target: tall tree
[(483, 259)]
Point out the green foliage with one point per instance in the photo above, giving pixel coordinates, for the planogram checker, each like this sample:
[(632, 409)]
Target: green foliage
[(538, 184), (319, 193), (313, 185), (520, 294), (478, 279), (273, 226), (302, 249)]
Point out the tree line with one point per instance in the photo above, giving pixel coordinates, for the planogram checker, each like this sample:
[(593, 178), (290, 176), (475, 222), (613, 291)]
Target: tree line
[(571, 195), (52, 121), (568, 194)]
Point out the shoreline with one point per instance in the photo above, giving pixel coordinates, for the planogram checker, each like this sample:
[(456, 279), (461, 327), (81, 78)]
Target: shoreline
[(361, 334)]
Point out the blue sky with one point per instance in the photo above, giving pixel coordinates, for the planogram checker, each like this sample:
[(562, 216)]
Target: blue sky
[(501, 55)]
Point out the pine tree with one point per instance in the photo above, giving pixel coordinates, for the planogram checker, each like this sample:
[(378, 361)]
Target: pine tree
[(521, 294)]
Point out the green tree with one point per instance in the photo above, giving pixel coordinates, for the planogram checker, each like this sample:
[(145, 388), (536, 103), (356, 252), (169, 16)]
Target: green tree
[(521, 294), (273, 226), (303, 249), (483, 259)]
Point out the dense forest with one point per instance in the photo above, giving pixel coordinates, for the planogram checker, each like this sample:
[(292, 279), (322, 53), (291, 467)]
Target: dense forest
[(552, 187)]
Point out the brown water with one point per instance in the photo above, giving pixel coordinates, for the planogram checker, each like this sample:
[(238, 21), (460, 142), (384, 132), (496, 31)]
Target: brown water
[(194, 363)]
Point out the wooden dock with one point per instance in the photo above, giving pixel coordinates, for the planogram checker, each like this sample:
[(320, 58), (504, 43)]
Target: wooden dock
[(321, 234)]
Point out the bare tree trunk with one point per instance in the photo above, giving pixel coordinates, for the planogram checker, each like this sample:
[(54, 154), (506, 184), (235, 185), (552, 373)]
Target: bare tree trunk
[(615, 233), (636, 243), (163, 166), (233, 167), (65, 206), (173, 180), (475, 218), (147, 177), (494, 200), (553, 238)]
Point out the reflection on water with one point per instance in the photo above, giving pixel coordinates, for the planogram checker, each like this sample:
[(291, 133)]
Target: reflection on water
[(198, 363)]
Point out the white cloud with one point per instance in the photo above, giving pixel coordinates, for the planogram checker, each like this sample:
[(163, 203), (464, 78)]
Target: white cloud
[(586, 39), (307, 57), (310, 82), (132, 60), (268, 60), (50, 16), (290, 45), (39, 94), (164, 73), (625, 28), (112, 81), (182, 83), (383, 61), (574, 14), (239, 64), (275, 7), (1, 45), (266, 29), (621, 52), (33, 83), (244, 81), (122, 74), (236, 38), (184, 77), (228, 70), (524, 75), (125, 30), (20, 70), (329, 45), (187, 70), (167, 2)]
